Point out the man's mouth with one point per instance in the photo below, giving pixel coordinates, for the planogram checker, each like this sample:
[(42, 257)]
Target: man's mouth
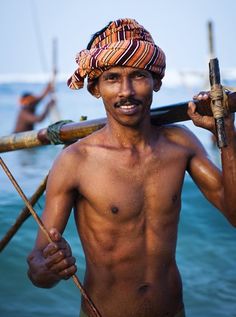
[(127, 103), (127, 106)]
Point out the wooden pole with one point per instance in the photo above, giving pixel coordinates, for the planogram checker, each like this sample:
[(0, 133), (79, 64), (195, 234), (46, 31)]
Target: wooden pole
[(71, 132), (25, 213), (54, 112), (217, 101), (211, 44), (46, 233)]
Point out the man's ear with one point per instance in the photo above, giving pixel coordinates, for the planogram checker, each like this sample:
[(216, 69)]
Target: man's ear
[(157, 84), (93, 89)]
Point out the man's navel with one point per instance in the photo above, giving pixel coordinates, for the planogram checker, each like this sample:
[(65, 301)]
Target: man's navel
[(114, 210), (143, 288)]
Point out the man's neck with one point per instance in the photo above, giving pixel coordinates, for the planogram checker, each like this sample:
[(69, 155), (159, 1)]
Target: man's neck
[(129, 136)]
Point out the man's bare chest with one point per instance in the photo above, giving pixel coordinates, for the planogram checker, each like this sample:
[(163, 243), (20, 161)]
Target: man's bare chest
[(127, 189)]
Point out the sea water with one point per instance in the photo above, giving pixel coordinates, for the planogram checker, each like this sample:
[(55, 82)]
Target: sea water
[(206, 244)]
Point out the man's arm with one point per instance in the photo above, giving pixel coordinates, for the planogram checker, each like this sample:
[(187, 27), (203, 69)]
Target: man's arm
[(218, 187), (51, 262), (34, 118), (45, 92)]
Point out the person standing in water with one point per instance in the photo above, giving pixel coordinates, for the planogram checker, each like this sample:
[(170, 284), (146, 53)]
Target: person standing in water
[(27, 116), (124, 183)]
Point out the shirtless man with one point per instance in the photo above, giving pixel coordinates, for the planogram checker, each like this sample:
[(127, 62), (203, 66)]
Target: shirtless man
[(27, 117), (124, 183)]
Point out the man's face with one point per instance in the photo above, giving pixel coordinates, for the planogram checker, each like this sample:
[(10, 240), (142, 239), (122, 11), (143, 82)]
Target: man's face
[(127, 93)]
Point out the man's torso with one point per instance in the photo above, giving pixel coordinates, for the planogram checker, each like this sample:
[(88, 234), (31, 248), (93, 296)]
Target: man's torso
[(127, 216)]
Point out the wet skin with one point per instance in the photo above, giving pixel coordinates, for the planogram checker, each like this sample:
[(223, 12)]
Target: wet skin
[(125, 184)]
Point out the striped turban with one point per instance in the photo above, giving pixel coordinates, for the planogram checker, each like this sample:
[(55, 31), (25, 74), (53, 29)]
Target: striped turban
[(122, 43), (27, 100)]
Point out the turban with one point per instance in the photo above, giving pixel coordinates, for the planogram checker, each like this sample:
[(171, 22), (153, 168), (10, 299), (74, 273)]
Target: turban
[(122, 43), (27, 100)]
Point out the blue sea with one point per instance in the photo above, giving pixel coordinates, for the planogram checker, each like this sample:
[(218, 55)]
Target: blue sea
[(206, 245)]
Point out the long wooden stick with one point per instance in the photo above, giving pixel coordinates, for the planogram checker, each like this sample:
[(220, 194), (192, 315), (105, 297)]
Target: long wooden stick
[(217, 101), (44, 230), (54, 111), (211, 43), (71, 132), (25, 213)]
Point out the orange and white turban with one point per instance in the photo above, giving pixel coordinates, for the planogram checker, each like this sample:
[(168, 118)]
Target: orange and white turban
[(122, 43), (27, 100)]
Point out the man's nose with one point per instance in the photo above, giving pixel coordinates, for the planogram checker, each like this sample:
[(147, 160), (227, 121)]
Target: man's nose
[(126, 88)]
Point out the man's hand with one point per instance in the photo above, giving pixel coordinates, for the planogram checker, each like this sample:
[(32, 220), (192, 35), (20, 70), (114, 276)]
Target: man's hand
[(58, 256), (205, 122), (52, 264), (50, 104), (49, 88)]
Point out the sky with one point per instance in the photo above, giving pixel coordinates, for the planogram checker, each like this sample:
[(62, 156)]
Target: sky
[(179, 27)]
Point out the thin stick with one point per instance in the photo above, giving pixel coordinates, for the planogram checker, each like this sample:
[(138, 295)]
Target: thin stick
[(42, 227), (23, 216), (217, 105), (54, 111)]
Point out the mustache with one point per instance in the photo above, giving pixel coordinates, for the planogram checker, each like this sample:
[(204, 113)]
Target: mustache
[(127, 101)]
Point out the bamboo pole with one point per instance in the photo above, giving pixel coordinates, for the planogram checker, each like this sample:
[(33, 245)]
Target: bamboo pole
[(24, 215), (71, 132), (46, 233), (54, 111), (217, 105), (211, 43)]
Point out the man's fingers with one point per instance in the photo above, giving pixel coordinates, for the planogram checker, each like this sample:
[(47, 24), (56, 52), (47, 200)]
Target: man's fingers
[(67, 273), (193, 114), (52, 247), (55, 247), (205, 122), (202, 95), (57, 257), (55, 234), (192, 107), (63, 267), (59, 243)]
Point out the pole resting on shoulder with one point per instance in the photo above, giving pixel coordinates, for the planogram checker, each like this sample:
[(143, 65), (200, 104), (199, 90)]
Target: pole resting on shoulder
[(53, 131), (217, 105)]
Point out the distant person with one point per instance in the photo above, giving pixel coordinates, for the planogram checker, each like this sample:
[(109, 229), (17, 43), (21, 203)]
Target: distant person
[(124, 183), (27, 117)]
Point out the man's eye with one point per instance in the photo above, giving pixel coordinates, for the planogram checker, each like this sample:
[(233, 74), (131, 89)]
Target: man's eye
[(111, 77), (139, 75)]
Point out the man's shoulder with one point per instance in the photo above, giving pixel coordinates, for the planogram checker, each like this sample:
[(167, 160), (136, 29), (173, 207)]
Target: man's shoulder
[(179, 134), (76, 149), (174, 129), (81, 148)]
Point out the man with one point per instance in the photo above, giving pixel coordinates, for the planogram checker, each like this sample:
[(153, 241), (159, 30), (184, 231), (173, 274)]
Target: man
[(27, 117), (124, 183)]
